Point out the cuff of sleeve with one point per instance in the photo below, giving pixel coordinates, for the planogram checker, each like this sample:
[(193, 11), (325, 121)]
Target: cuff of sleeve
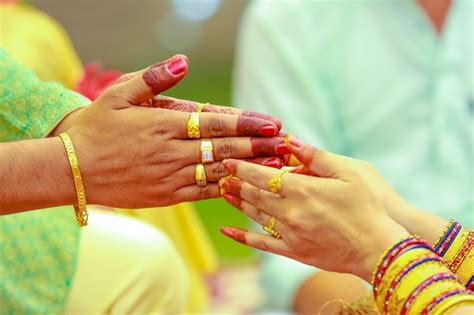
[(50, 130)]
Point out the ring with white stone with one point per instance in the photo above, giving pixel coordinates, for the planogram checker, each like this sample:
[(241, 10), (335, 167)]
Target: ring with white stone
[(207, 155)]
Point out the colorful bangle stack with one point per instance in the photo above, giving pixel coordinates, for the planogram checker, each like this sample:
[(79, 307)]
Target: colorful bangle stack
[(455, 246), (411, 278)]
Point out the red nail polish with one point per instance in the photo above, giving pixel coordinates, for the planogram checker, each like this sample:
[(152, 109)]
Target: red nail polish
[(228, 198), (226, 185), (282, 149), (297, 143), (227, 232), (268, 131), (177, 66), (274, 163)]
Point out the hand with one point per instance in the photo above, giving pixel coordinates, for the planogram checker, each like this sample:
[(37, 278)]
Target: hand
[(132, 156), (330, 212)]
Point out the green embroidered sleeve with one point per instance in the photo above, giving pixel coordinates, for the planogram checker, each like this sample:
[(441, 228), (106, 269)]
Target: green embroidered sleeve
[(29, 107)]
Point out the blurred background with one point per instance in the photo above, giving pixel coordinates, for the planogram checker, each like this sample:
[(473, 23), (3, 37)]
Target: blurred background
[(131, 35)]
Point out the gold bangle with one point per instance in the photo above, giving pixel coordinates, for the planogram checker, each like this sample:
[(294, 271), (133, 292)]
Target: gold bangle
[(443, 233), (456, 246), (81, 208)]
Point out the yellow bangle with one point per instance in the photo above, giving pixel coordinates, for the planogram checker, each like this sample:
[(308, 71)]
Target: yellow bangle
[(456, 246), (453, 302), (81, 208), (431, 292), (444, 232), (466, 269)]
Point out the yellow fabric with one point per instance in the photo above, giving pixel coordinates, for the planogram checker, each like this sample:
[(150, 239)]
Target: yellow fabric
[(184, 227), (40, 43), (37, 41)]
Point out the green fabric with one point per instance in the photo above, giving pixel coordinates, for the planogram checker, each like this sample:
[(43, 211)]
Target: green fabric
[(38, 249)]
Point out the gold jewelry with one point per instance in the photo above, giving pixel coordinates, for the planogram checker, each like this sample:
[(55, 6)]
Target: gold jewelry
[(270, 228), (207, 155), (200, 107), (201, 178), (194, 127), (274, 184), (81, 208)]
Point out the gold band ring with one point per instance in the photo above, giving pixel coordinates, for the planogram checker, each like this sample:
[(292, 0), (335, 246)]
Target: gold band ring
[(201, 178), (207, 154), (194, 126), (274, 184), (270, 228)]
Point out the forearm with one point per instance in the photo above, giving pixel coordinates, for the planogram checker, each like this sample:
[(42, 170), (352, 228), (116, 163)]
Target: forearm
[(420, 222), (34, 174)]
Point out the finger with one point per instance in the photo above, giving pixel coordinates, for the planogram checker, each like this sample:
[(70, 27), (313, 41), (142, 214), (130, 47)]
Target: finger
[(320, 162), (258, 241), (139, 87), (259, 176), (215, 171), (233, 147), (214, 125), (258, 215), (171, 103), (194, 192), (258, 198)]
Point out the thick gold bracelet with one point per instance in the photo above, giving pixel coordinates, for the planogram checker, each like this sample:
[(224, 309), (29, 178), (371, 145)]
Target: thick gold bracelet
[(81, 208)]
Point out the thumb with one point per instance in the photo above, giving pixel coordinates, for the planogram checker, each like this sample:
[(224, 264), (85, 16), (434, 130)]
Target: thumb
[(140, 86), (320, 162)]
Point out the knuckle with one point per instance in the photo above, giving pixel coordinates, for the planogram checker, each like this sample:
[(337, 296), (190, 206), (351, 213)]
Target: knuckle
[(114, 93), (216, 127), (204, 193), (263, 245), (292, 218), (256, 194), (219, 171), (226, 148)]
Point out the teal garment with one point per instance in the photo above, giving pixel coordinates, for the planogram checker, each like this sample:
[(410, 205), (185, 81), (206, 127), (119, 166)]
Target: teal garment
[(38, 249), (371, 80)]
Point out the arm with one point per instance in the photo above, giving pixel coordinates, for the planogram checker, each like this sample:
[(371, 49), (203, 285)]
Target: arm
[(39, 178)]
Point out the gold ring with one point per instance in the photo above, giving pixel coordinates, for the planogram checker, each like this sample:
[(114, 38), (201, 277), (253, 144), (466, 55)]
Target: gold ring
[(207, 155), (194, 127), (201, 178), (200, 107), (270, 228), (274, 184)]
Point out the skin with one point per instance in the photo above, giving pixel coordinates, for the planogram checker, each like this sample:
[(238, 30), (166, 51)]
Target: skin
[(331, 205), (305, 302), (125, 149)]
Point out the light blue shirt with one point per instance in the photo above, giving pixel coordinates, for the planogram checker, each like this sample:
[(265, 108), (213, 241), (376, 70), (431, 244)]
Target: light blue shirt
[(371, 80)]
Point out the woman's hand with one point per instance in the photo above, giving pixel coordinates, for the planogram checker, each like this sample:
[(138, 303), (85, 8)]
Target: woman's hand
[(134, 156), (330, 211)]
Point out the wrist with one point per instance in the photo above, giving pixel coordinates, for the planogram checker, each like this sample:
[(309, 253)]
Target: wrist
[(385, 235), (66, 122)]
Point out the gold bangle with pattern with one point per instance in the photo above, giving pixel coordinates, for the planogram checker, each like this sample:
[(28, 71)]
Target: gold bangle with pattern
[(81, 208)]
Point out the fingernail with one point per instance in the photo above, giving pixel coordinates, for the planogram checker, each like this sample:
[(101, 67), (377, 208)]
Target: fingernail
[(282, 149), (297, 143), (226, 185), (227, 232), (231, 166), (273, 162), (268, 131), (177, 66), (228, 198)]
